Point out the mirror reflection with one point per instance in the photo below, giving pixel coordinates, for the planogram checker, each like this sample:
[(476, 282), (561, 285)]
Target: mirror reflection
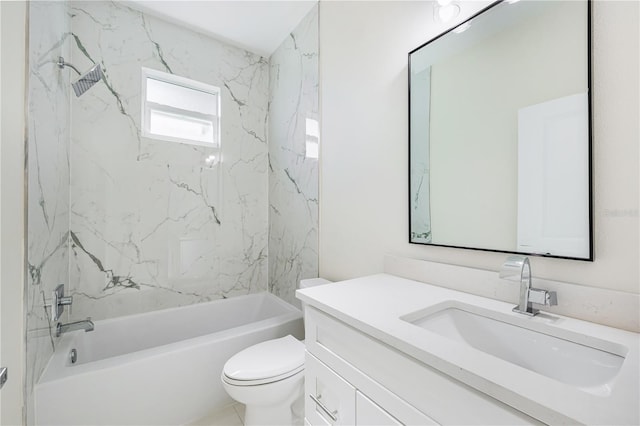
[(500, 132)]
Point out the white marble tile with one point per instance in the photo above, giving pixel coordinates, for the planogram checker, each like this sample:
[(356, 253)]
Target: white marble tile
[(293, 174), (132, 224), (152, 224), (420, 164), (48, 180)]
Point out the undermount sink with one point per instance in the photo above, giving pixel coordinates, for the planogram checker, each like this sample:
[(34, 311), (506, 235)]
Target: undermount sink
[(589, 364)]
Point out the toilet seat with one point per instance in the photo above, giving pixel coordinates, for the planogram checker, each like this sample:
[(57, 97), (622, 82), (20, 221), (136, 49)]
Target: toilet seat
[(266, 362), (263, 381)]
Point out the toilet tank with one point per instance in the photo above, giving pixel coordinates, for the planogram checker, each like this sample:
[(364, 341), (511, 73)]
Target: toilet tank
[(310, 282)]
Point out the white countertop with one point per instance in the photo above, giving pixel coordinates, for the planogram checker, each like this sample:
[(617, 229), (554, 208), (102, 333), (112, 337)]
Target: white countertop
[(374, 305)]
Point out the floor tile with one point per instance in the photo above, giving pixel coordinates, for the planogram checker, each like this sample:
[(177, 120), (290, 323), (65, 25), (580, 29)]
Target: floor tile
[(227, 416)]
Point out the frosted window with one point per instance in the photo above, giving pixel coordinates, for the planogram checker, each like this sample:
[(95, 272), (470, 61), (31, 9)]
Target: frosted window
[(179, 110), (180, 126)]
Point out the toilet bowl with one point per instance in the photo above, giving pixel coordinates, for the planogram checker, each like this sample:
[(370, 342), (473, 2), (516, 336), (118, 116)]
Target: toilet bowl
[(269, 378)]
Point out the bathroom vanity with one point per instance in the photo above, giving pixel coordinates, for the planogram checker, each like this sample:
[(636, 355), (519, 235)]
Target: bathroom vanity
[(388, 350)]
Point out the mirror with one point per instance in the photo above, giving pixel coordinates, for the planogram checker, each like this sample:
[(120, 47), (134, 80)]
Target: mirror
[(499, 132)]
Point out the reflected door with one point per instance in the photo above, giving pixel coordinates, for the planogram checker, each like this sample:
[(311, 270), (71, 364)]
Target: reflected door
[(553, 158)]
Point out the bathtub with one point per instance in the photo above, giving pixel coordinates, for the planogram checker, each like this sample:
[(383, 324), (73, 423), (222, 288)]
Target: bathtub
[(157, 368)]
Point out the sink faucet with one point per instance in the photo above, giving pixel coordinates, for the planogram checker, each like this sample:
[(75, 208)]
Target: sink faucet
[(86, 325), (517, 268)]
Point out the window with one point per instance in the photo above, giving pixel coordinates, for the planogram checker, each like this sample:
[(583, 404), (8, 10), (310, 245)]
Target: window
[(177, 109), (312, 137)]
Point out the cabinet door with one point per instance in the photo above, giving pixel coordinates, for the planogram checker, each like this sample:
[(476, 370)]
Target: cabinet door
[(368, 413), (329, 399)]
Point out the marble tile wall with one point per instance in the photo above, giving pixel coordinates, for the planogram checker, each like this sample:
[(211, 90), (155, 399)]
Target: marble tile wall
[(293, 160), (419, 153), (131, 224), (48, 180), (154, 224)]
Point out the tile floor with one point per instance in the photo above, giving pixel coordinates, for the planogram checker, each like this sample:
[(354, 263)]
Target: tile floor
[(231, 415)]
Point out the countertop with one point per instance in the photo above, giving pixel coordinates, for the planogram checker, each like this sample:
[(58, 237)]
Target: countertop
[(374, 305)]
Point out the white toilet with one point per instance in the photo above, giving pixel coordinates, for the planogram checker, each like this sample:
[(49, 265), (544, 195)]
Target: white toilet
[(269, 378)]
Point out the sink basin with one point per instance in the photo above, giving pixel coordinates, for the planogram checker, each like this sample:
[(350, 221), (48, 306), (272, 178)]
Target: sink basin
[(589, 364)]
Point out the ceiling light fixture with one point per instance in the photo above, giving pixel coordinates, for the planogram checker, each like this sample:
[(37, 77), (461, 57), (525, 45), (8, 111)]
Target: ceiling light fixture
[(445, 10)]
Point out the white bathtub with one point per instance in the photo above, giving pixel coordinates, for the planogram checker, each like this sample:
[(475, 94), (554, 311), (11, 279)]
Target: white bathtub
[(157, 368)]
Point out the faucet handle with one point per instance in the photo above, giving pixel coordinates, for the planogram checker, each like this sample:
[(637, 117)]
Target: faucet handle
[(543, 297), (59, 302)]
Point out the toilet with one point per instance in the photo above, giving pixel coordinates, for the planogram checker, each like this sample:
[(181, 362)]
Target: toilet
[(269, 378)]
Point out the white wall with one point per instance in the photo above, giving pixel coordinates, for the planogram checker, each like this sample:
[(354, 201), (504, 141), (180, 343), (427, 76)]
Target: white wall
[(363, 198)]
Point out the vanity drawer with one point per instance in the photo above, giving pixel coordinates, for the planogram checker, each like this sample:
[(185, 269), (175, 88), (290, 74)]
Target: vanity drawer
[(369, 413), (329, 399), (362, 360), (338, 402)]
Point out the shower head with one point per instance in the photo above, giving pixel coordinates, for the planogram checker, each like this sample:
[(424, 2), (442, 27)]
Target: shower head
[(86, 80)]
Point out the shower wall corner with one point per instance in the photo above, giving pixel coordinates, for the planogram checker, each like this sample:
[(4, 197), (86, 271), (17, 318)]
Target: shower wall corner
[(48, 145)]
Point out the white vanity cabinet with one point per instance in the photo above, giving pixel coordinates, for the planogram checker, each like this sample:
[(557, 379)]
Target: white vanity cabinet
[(369, 413), (331, 400), (353, 379)]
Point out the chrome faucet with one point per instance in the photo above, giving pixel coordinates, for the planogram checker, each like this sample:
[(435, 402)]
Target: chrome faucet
[(517, 268), (59, 302), (86, 325)]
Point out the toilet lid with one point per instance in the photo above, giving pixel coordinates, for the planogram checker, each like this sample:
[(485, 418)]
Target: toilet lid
[(271, 359)]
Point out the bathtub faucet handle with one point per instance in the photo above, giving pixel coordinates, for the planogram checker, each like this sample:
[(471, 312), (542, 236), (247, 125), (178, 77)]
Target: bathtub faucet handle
[(59, 302)]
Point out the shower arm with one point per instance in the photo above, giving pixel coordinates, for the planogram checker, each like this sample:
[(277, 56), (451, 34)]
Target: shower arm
[(61, 64)]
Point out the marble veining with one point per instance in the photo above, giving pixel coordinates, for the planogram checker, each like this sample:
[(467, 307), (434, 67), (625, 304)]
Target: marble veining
[(131, 224), (158, 224), (48, 181), (293, 163)]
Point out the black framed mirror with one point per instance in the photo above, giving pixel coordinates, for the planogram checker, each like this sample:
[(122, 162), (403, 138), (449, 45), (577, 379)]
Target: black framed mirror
[(500, 132)]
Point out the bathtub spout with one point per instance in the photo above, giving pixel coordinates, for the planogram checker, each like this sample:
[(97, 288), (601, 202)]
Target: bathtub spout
[(86, 325)]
